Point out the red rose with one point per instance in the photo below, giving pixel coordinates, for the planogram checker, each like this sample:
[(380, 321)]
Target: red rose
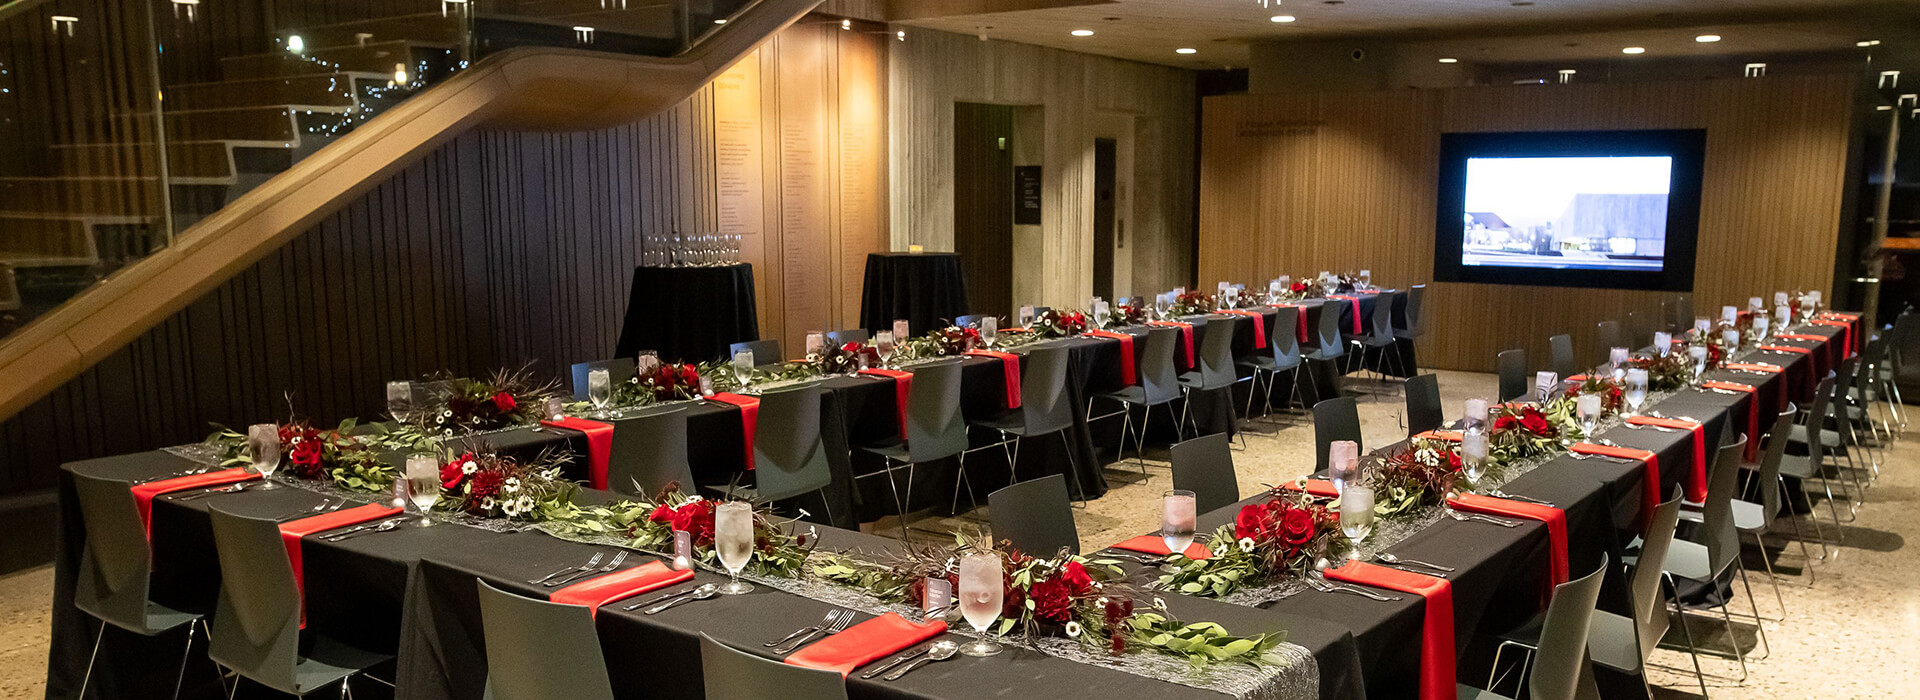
[(1252, 521), (451, 475), (661, 514), (484, 485), (1537, 425), (505, 402), (850, 348), (1453, 461), (1076, 577), (1503, 423), (697, 519), (689, 375), (1297, 529), (1052, 600)]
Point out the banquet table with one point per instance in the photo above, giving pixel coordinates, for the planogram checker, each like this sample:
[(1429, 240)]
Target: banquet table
[(926, 289), (689, 314)]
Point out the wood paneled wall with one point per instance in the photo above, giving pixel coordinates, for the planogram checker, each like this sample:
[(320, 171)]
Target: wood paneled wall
[(932, 70), (1294, 184)]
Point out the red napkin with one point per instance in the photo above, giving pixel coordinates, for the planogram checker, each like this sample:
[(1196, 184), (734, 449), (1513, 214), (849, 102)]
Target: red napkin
[(1155, 544), (1186, 335), (1259, 326), (1755, 367), (1128, 375), (1300, 319), (902, 388), (865, 643), (292, 531), (1802, 336), (599, 445), (1555, 519), (600, 590), (1576, 379), (1317, 487), (749, 419), (1846, 331), (143, 493), (1697, 481), (1787, 348), (1357, 328), (1010, 364), (1650, 496), (1840, 315), (1436, 634), (1753, 412), (1447, 435)]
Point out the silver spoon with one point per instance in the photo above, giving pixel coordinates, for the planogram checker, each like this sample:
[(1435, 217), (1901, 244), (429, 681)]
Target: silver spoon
[(1497, 493), (940, 651), (706, 589), (1390, 558), (236, 488), (903, 658), (701, 593), (382, 527), (1464, 517)]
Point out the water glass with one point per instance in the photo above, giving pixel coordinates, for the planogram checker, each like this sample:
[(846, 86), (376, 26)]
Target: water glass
[(1698, 353), (1588, 406), (816, 343), (902, 330), (1476, 414), (733, 540), (400, 400), (423, 484), (1760, 325), (1731, 337), (883, 345), (982, 593), (743, 368), (1178, 511), (1027, 315), (599, 389), (1356, 516), (1755, 304), (1618, 357), (263, 445), (989, 330), (1636, 392), (1343, 463), (1473, 457), (1662, 343)]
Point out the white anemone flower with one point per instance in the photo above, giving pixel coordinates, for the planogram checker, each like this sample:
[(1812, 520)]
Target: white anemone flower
[(1247, 545), (512, 484), (1073, 629)]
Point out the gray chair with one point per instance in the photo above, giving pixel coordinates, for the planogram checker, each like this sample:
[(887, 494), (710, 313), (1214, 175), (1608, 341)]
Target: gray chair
[(650, 451), (1204, 465), (1380, 336), (538, 650), (1513, 374), (1560, 356), (732, 674), (1757, 518), (1559, 669), (1159, 386), (1214, 369), (969, 320), (1709, 560), (1423, 404), (256, 622), (1810, 471), (1327, 347), (765, 352), (1639, 330), (116, 569), (1283, 346), (789, 456), (1334, 419), (1606, 337), (935, 430), (1416, 314), (1035, 516), (1682, 308), (619, 369), (1045, 409)]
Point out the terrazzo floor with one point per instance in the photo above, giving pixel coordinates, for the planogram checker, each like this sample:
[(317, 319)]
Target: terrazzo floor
[(1854, 634)]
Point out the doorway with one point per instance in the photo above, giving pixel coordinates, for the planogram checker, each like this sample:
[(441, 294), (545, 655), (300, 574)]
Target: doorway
[(1105, 180), (983, 203)]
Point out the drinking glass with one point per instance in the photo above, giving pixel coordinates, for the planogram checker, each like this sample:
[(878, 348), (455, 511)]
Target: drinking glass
[(1356, 516), (982, 593), (423, 484), (902, 330), (646, 362), (816, 343), (1177, 514), (1101, 313), (1476, 414), (1701, 327), (1618, 357), (1473, 457), (1698, 354), (1760, 325), (989, 330), (1636, 393), (1588, 406), (1026, 316), (400, 400), (733, 540), (883, 345), (1731, 337), (599, 390), (1366, 279), (1343, 463), (743, 368), (1662, 343), (263, 445)]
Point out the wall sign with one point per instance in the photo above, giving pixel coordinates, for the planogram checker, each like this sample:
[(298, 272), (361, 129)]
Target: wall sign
[(1026, 195)]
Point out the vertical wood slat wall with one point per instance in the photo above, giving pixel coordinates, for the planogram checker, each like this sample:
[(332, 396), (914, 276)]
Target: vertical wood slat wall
[(1295, 184)]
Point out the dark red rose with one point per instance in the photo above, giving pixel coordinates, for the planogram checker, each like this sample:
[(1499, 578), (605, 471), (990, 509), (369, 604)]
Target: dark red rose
[(1453, 461), (1015, 600), (484, 484), (1503, 423), (697, 519), (689, 375), (662, 513), (1253, 521), (1537, 424), (1297, 529), (1077, 577), (504, 402), (1052, 600)]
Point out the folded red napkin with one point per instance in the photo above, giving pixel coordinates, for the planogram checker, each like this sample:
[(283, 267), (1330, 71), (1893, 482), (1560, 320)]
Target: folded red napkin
[(1317, 487), (1300, 321), (1650, 496), (1186, 336), (1128, 375), (1436, 633), (1357, 328), (599, 445), (1010, 365), (1846, 331), (292, 531), (600, 590), (1155, 544), (1839, 315), (1576, 379), (865, 643), (143, 493), (1787, 348), (1555, 519), (749, 419), (1447, 435), (902, 388), (1802, 336), (1697, 480), (1755, 367), (1259, 326), (1753, 412)]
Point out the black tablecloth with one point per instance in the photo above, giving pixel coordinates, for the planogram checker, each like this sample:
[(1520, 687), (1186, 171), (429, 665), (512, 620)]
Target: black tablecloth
[(927, 289), (689, 314)]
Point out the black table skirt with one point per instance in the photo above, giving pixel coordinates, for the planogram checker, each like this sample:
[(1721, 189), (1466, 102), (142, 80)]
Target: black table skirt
[(689, 314), (927, 289)]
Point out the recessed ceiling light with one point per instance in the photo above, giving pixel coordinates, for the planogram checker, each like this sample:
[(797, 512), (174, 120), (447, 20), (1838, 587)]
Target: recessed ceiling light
[(1083, 32), (1282, 18), (721, 20), (1632, 50), (1449, 60), (1186, 51), (1864, 44), (1707, 38)]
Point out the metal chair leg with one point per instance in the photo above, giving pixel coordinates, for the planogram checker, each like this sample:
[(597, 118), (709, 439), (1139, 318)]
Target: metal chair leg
[(181, 677), (98, 637)]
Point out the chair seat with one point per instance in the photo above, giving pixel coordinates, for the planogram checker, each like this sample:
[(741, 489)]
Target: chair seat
[(1010, 422), (1612, 640), (327, 663), (1372, 341), (1747, 516), (1267, 363), (895, 448), (1688, 560), (1466, 692), (1798, 466), (1136, 395), (1798, 435), (1192, 381), (160, 619), (1319, 356)]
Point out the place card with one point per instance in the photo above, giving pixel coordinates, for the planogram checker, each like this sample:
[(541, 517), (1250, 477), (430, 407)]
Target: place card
[(556, 409), (900, 328), (1702, 326), (1662, 342), (1729, 315), (682, 550), (939, 594), (1755, 304), (1543, 385)]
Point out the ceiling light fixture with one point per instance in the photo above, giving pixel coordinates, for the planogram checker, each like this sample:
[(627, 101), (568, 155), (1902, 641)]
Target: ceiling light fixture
[(1283, 19), (1633, 50), (1449, 60), (1867, 43), (1707, 38), (1082, 32), (721, 20), (846, 24), (1186, 51)]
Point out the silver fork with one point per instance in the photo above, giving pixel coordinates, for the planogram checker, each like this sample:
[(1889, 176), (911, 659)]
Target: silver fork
[(595, 561), (1326, 587), (833, 629), (618, 559), (1463, 517), (233, 488), (832, 617), (1497, 493)]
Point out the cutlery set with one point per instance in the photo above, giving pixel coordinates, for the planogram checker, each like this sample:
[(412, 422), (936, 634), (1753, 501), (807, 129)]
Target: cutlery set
[(839, 619), (366, 529), (1318, 582), (196, 471), (203, 493), (1470, 517), (1497, 493), (327, 505), (1406, 564)]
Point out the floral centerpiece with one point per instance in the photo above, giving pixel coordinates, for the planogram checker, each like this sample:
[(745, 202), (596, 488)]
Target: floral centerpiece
[(1267, 542), (1193, 303), (661, 382), (1612, 394), (942, 342), (313, 454), (502, 400), (483, 483), (1059, 324), (649, 524), (1525, 430), (1669, 373), (1130, 314), (1303, 288), (1414, 477)]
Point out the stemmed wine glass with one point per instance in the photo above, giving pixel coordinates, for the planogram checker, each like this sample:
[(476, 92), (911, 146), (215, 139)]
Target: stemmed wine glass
[(1588, 405), (1356, 516), (989, 330), (982, 593), (1636, 393), (883, 346), (1618, 357), (599, 390), (743, 369), (1698, 354), (263, 445), (423, 484), (400, 400), (733, 539), (1178, 511), (1343, 464), (1473, 457)]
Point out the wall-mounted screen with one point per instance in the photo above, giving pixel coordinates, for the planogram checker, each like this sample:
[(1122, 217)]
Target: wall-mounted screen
[(1581, 209)]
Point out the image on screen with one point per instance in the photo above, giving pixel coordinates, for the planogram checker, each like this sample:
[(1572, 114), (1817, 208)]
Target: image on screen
[(1583, 212)]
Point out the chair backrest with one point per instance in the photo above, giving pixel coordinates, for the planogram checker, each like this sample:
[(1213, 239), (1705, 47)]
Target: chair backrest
[(1639, 330), (1159, 381), (618, 369), (935, 427), (115, 564), (851, 335), (1283, 338), (649, 451), (789, 456), (1717, 530), (1423, 404), (968, 320), (1559, 666), (731, 674), (1045, 406), (1817, 414), (1560, 356), (538, 650), (1905, 340), (1216, 354), (1606, 337), (1328, 334), (1035, 515), (256, 623), (1204, 465), (765, 351), (1649, 599), (1416, 319), (1770, 463), (1513, 374), (1383, 314), (1334, 419), (1682, 313)]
